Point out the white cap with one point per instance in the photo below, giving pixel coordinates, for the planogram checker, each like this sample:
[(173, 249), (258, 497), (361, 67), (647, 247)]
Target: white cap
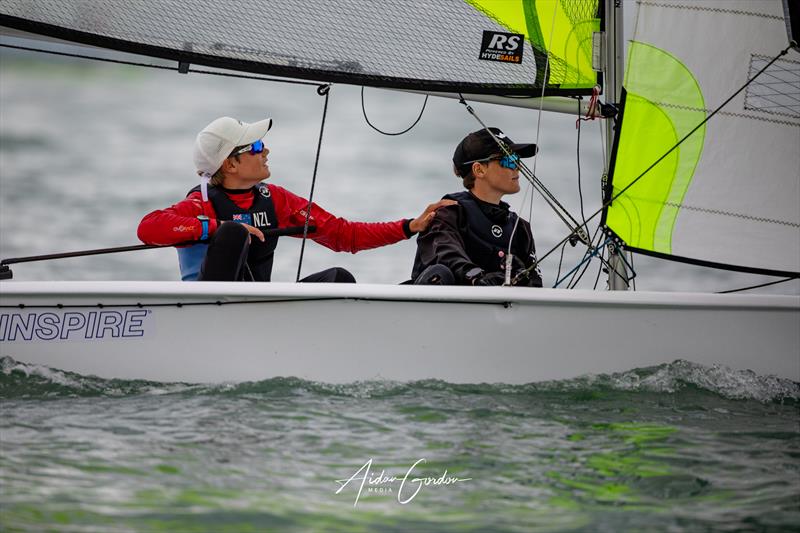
[(217, 140)]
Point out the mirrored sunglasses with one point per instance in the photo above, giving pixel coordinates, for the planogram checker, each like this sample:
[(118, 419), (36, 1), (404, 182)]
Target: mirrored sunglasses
[(506, 161), (255, 148)]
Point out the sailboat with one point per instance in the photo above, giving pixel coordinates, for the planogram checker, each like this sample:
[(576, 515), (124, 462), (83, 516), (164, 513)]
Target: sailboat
[(703, 168)]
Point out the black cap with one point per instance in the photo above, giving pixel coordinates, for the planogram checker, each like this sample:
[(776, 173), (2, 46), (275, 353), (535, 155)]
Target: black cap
[(480, 145)]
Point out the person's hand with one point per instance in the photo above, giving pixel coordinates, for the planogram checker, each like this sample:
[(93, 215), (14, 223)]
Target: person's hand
[(523, 276), (491, 279), (422, 222), (254, 231), (529, 279)]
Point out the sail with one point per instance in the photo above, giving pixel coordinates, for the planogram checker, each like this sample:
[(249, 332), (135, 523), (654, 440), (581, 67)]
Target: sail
[(472, 46), (729, 195)]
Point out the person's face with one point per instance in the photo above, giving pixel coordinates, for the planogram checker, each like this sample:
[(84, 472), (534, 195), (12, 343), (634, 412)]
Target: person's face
[(499, 178), (253, 166)]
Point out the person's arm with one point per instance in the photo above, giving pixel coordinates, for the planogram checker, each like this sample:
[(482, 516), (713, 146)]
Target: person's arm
[(342, 235), (443, 244), (178, 223)]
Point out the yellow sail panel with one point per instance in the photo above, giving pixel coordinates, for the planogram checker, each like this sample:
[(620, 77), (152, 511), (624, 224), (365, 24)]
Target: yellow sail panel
[(560, 33), (663, 104)]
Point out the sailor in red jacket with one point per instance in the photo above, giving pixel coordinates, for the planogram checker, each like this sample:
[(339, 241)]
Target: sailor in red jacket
[(231, 209)]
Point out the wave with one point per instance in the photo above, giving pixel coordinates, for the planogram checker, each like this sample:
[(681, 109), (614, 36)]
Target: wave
[(20, 380), (23, 380)]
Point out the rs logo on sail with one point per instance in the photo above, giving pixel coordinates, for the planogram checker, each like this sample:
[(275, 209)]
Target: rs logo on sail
[(73, 325), (504, 47)]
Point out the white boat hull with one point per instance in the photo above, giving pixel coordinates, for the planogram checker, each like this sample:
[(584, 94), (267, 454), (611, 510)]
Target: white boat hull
[(344, 333)]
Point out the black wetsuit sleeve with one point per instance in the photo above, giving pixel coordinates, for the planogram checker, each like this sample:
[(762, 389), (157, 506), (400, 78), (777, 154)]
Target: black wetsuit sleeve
[(443, 243)]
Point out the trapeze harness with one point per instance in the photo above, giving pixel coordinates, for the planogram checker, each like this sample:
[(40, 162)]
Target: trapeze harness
[(260, 215)]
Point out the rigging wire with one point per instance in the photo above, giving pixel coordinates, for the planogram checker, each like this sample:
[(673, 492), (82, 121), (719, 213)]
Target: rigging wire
[(600, 268), (657, 161), (364, 112), (519, 161), (322, 91), (604, 150), (757, 286), (629, 265), (578, 160), (574, 282), (590, 115), (561, 260), (181, 68), (576, 278), (538, 186), (579, 265)]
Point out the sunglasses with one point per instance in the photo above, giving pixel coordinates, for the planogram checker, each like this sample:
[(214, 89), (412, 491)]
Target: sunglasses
[(255, 148), (506, 161)]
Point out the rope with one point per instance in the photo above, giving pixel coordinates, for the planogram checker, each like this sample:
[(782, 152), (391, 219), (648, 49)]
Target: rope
[(293, 230), (648, 169), (323, 90), (591, 110), (599, 269), (364, 112), (576, 278), (585, 259)]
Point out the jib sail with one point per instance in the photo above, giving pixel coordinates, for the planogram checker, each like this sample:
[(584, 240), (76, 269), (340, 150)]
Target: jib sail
[(729, 195)]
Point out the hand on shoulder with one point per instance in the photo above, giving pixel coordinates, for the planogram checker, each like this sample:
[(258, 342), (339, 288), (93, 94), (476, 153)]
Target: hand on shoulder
[(422, 222)]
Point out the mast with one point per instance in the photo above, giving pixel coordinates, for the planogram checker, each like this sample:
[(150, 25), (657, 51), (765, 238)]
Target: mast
[(613, 52)]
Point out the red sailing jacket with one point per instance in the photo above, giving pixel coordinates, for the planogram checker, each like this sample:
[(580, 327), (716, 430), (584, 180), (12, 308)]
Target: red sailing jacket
[(179, 222)]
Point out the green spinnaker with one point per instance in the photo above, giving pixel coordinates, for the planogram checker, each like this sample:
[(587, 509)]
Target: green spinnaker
[(663, 104)]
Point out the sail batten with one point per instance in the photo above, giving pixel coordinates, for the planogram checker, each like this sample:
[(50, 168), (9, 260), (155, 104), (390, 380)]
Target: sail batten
[(477, 46), (729, 195)]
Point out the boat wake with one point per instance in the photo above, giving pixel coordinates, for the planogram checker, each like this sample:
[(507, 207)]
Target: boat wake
[(20, 380)]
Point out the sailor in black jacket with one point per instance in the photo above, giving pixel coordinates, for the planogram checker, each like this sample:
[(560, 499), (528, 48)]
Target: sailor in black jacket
[(469, 243)]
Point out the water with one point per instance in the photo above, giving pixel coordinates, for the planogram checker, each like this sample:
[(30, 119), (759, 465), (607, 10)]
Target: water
[(678, 447), (87, 149)]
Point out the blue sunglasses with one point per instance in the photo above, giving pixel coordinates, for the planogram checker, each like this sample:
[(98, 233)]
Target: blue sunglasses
[(506, 161), (255, 148)]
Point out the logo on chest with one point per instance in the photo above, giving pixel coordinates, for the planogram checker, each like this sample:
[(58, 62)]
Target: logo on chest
[(497, 231)]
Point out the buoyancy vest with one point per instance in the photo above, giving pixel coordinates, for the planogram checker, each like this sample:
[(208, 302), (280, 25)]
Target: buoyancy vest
[(487, 241), (260, 215)]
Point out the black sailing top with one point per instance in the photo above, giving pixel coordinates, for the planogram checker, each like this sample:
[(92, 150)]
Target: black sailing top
[(475, 233)]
